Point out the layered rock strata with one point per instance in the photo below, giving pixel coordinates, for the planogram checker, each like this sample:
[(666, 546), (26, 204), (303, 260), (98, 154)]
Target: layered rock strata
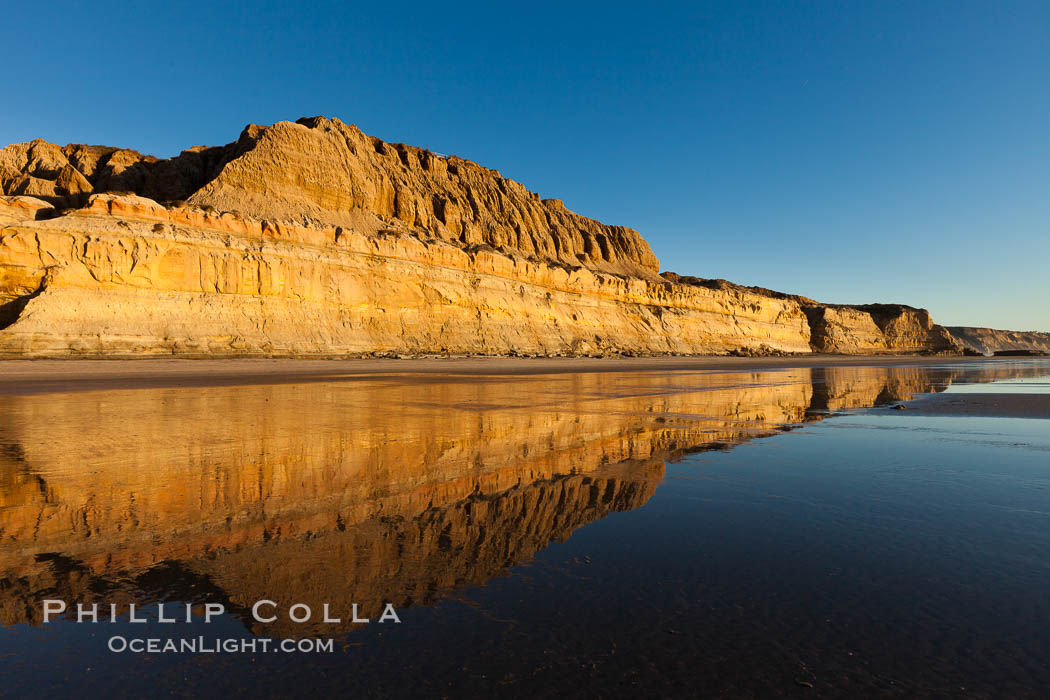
[(844, 329), (313, 239)]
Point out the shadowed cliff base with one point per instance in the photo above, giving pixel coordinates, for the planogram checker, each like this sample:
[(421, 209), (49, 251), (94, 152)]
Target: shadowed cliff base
[(311, 239)]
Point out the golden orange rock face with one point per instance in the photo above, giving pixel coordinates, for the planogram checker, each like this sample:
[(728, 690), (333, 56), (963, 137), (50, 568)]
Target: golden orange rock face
[(383, 488), (313, 239), (325, 172), (125, 276), (875, 328)]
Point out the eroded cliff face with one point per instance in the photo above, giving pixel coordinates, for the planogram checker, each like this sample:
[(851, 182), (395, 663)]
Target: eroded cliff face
[(988, 341), (864, 329), (323, 172), (126, 276), (313, 239), (875, 328)]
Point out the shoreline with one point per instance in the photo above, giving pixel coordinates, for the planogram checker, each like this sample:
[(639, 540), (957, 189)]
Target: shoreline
[(66, 375), (981, 405)]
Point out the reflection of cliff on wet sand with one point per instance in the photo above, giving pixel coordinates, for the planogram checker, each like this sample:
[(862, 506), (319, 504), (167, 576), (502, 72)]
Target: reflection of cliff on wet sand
[(382, 559), (365, 491)]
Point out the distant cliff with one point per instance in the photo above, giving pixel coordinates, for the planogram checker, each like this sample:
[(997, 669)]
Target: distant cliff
[(313, 239), (988, 341)]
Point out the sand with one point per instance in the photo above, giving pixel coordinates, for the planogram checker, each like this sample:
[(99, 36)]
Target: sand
[(994, 405), (62, 376)]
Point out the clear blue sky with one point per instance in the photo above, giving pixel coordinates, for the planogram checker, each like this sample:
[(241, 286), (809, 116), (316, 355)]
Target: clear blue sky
[(849, 151)]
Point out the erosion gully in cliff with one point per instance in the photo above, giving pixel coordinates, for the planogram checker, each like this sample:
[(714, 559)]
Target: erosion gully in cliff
[(314, 239)]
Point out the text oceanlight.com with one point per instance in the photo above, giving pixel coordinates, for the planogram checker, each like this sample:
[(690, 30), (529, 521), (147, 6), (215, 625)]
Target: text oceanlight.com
[(203, 645)]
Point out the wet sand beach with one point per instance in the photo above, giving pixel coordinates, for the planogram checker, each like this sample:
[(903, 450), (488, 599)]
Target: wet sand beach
[(666, 527), (987, 405), (42, 376)]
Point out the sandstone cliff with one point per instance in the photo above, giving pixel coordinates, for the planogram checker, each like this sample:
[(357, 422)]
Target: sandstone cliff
[(988, 341), (313, 239), (868, 328)]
